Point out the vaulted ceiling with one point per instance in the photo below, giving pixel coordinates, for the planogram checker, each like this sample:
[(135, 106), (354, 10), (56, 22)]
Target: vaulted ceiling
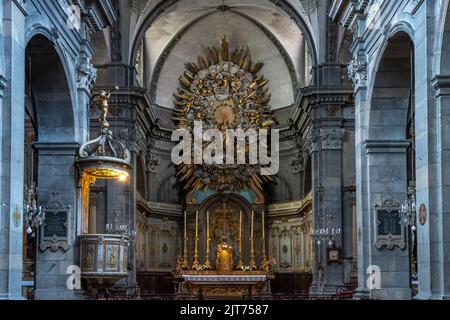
[(186, 28)]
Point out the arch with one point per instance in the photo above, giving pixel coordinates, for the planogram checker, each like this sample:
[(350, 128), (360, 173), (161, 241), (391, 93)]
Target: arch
[(163, 6), (387, 152), (392, 89), (38, 25), (225, 197), (234, 205), (280, 190), (168, 190), (290, 81), (402, 27), (49, 91), (163, 57)]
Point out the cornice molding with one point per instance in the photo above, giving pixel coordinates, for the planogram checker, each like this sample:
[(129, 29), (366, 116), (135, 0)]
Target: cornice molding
[(288, 209), (150, 208), (441, 83)]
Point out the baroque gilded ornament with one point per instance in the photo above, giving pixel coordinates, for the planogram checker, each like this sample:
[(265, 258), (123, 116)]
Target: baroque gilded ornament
[(225, 92)]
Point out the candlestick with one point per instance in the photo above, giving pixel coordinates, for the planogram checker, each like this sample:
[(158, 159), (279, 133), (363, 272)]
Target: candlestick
[(196, 224), (265, 264), (252, 249), (240, 225), (253, 218), (185, 224), (196, 262), (241, 263), (185, 265), (263, 227), (207, 262)]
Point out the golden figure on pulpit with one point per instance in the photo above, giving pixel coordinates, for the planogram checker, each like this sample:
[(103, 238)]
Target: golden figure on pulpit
[(224, 259)]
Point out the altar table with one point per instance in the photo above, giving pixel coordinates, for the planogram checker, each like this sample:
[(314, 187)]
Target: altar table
[(225, 285)]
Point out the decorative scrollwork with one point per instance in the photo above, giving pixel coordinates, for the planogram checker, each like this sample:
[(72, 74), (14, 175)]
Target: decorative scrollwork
[(357, 72)]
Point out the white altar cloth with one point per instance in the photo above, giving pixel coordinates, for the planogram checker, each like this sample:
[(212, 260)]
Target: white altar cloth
[(225, 278)]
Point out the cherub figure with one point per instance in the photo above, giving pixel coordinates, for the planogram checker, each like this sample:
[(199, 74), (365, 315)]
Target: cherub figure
[(265, 265), (102, 102), (180, 263)]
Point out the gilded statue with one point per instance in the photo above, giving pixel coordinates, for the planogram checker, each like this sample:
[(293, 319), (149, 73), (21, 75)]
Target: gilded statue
[(224, 259), (102, 102), (89, 257), (112, 258)]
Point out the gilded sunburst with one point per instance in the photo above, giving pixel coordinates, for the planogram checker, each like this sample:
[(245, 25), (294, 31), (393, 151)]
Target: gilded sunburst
[(224, 91)]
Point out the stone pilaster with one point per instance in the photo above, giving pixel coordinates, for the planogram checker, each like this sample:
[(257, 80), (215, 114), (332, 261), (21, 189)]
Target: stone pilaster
[(330, 133), (12, 102), (327, 208), (388, 183), (433, 239), (57, 160)]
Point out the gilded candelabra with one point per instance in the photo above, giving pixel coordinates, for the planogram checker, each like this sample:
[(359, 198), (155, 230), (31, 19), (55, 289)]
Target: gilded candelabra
[(196, 264), (184, 264), (252, 248), (265, 264), (207, 265), (241, 263)]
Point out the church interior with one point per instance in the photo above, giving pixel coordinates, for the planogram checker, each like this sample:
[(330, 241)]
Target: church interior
[(347, 98)]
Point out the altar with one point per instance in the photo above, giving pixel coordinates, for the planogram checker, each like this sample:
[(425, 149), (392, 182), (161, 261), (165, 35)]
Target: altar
[(235, 285), (219, 263)]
